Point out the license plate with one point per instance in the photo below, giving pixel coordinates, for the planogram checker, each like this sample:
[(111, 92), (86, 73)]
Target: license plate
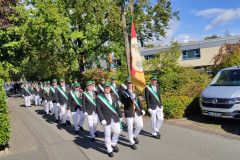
[(214, 114)]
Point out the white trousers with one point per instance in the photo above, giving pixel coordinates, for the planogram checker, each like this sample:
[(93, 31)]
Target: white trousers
[(75, 119), (93, 121), (156, 120), (139, 125), (115, 126), (63, 112), (46, 106), (56, 110), (40, 101), (51, 107), (27, 101), (37, 101)]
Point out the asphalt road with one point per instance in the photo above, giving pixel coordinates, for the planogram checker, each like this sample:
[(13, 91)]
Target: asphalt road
[(35, 136)]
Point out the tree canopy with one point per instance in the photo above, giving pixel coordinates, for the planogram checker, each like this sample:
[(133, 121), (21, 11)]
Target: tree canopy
[(53, 39)]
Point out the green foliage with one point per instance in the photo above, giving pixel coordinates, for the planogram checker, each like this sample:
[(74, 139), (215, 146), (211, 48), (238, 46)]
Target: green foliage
[(4, 120), (3, 73), (184, 82), (174, 106), (228, 56), (212, 37), (165, 61)]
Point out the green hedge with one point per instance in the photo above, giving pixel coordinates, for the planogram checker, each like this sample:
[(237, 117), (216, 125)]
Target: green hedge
[(4, 120)]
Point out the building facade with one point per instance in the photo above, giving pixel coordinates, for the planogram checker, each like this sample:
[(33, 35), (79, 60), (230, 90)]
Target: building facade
[(198, 55)]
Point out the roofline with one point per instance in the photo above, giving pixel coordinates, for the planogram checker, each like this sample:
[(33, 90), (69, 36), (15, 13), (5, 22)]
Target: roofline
[(190, 43)]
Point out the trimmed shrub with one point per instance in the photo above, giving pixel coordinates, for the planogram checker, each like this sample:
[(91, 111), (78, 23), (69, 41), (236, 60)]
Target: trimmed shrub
[(175, 106), (4, 120)]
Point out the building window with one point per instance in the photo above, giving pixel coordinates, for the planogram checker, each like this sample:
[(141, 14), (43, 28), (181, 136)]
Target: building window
[(149, 57), (191, 54)]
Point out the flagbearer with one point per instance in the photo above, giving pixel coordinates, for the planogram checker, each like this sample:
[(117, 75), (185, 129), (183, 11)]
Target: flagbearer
[(100, 87), (154, 105), (133, 113), (75, 106), (62, 98), (47, 97), (123, 86), (36, 92), (56, 110), (27, 94), (89, 109), (110, 116)]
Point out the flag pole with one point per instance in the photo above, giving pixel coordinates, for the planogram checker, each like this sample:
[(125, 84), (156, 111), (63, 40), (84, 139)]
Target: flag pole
[(130, 65)]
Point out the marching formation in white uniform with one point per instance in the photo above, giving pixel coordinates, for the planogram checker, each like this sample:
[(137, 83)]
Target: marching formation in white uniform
[(99, 104)]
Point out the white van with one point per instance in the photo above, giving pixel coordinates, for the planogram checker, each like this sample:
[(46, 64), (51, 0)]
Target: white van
[(222, 97)]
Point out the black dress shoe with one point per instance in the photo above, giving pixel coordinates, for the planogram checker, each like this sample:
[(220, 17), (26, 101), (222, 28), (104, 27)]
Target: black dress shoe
[(81, 128), (68, 122), (93, 139), (115, 149), (110, 154), (96, 134), (56, 120), (64, 124), (134, 147), (136, 140), (76, 132), (58, 117), (157, 136)]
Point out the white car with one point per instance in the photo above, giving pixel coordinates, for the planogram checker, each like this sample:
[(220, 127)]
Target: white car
[(222, 97)]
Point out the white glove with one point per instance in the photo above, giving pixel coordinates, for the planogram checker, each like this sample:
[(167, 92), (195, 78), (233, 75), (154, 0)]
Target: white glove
[(86, 114), (143, 112), (132, 96), (121, 119), (150, 111), (58, 104), (22, 95), (104, 122), (45, 101)]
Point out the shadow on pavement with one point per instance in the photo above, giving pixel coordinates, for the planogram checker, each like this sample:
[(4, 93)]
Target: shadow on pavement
[(229, 125)]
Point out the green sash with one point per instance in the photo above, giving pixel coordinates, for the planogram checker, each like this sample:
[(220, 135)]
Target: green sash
[(52, 89), (109, 106), (75, 98), (100, 86), (26, 90), (154, 93), (46, 89), (90, 98), (62, 92), (135, 102), (114, 90), (124, 86)]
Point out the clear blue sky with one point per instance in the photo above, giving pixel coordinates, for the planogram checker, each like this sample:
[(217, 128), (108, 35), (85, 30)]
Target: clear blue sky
[(201, 18)]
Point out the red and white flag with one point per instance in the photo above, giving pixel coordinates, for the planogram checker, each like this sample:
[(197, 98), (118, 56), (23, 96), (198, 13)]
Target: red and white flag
[(137, 73)]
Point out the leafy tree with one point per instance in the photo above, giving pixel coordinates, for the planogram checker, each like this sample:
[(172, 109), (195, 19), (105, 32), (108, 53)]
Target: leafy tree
[(165, 61), (228, 56), (6, 12), (149, 46), (211, 37)]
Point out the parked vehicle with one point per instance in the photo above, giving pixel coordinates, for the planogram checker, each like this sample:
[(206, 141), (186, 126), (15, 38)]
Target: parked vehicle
[(222, 97)]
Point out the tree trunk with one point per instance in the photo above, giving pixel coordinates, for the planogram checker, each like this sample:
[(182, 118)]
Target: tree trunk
[(125, 35)]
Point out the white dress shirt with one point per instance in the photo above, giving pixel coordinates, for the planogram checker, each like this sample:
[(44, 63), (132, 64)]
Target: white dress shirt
[(109, 98)]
